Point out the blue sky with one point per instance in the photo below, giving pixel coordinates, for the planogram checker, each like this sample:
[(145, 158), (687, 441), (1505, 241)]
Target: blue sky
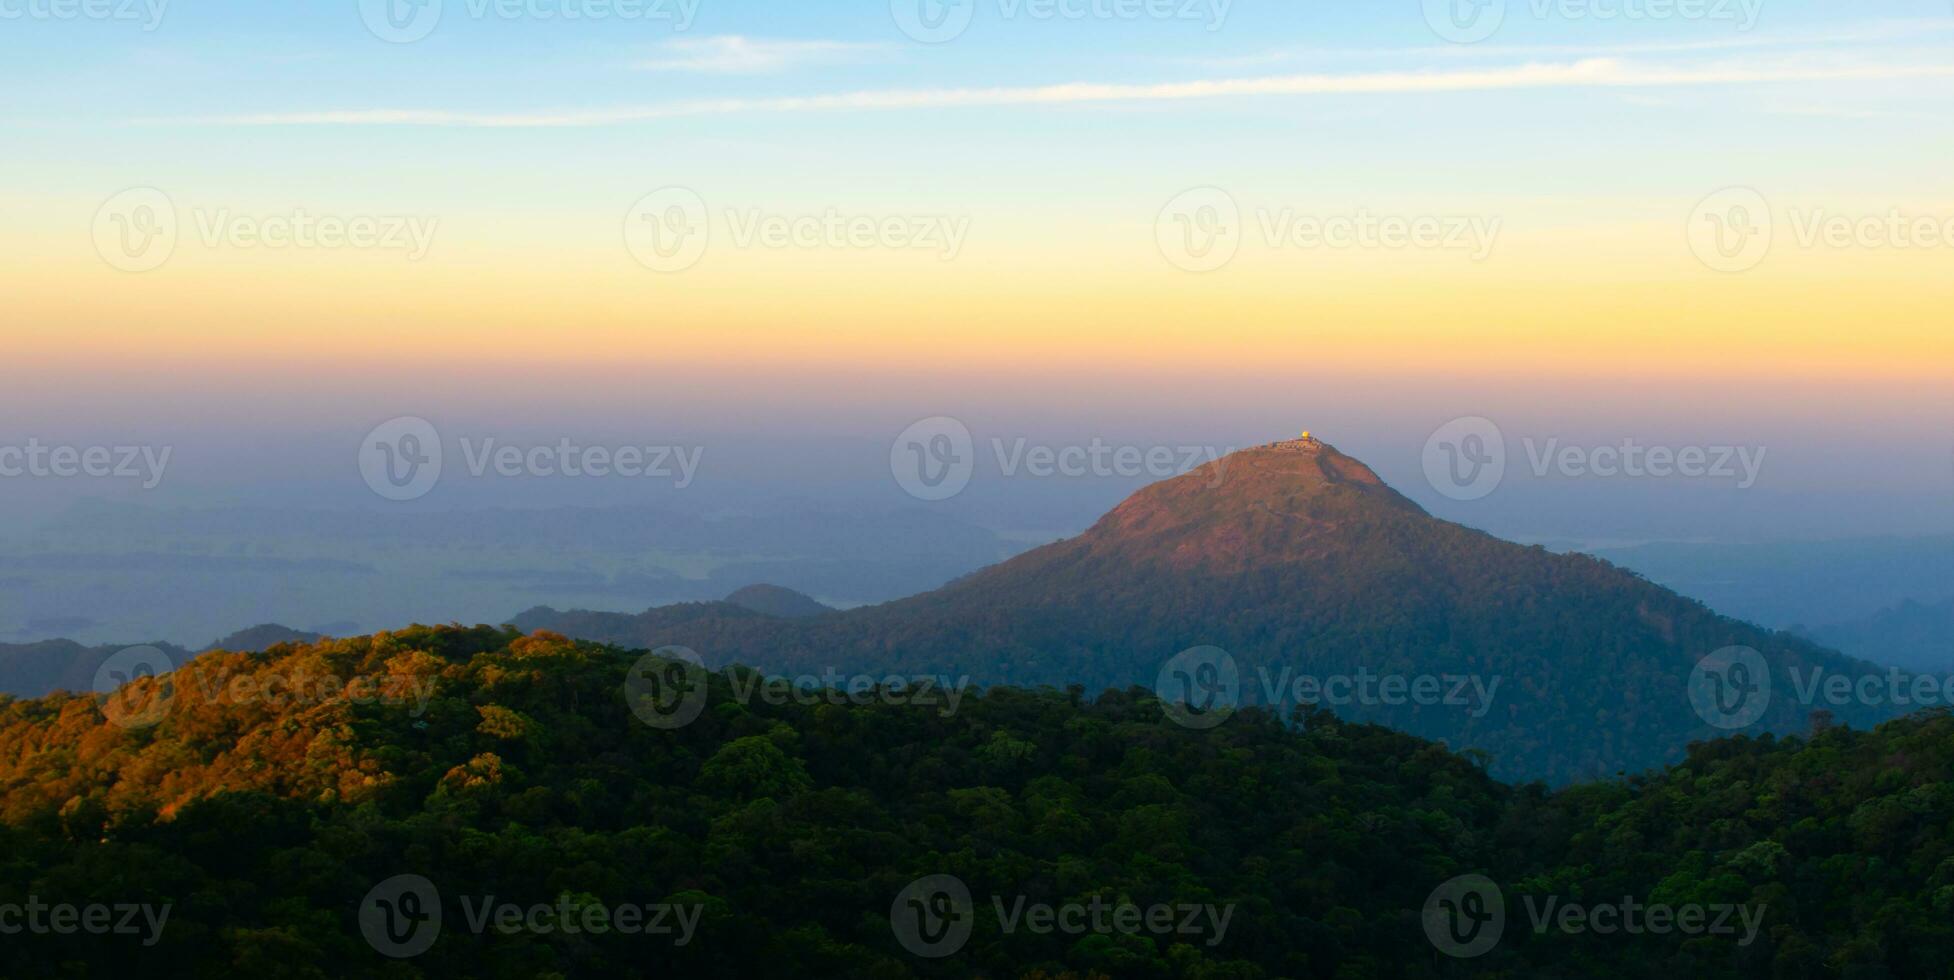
[(236, 58), (1590, 136), (95, 102)]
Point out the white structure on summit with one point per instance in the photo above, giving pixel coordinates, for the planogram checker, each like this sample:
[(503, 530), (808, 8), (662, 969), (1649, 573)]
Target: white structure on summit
[(1306, 442)]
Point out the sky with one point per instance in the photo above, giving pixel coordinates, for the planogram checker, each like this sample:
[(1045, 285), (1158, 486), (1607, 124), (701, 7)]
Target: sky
[(254, 231)]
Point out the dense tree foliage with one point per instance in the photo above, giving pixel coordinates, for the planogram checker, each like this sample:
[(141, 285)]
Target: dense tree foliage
[(500, 764)]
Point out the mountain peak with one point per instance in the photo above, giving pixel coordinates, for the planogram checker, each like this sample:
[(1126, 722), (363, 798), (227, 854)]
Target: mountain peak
[(1276, 502), (1306, 443), (1314, 459)]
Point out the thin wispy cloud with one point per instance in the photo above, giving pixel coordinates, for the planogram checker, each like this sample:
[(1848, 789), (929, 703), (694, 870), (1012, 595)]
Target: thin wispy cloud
[(1862, 115), (1875, 33), (736, 55), (1589, 73)]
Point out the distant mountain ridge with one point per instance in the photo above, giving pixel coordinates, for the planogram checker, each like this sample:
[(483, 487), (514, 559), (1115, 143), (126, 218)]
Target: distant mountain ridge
[(109, 571), (1816, 583), (1298, 560), (1913, 635), (773, 600), (32, 670), (261, 637)]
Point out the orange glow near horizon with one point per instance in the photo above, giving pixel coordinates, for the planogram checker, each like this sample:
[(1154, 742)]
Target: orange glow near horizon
[(1624, 302)]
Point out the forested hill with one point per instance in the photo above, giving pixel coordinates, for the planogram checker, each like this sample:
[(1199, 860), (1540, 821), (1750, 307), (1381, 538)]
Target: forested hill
[(273, 802), (1299, 561)]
